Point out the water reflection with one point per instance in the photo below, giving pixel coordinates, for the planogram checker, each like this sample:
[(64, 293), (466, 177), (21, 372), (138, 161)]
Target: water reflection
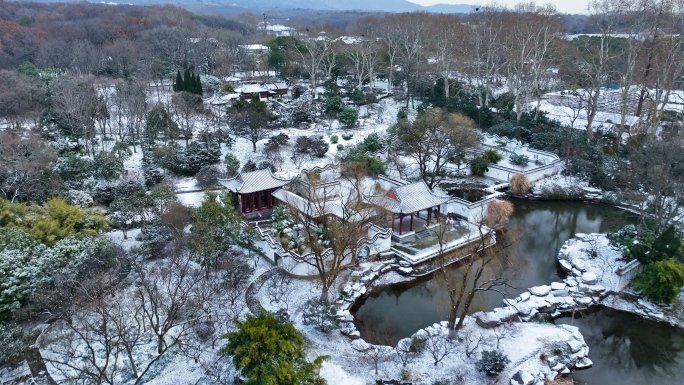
[(545, 226), (627, 349)]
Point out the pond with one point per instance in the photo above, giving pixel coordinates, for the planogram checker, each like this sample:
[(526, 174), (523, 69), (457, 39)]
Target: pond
[(398, 311), (468, 192), (625, 348), (629, 350)]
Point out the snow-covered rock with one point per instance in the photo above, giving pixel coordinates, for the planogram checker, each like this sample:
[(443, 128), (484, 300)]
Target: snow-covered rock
[(584, 363), (540, 291), (522, 378), (589, 278), (565, 265), (558, 286), (360, 345)]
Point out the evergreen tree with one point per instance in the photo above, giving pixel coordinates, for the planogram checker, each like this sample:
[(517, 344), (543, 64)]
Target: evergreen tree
[(271, 352), (178, 85), (199, 85), (187, 81)]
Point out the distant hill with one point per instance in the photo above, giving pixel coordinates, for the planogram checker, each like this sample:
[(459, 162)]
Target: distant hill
[(323, 5)]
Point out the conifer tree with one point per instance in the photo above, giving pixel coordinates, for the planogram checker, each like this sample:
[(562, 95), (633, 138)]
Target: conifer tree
[(199, 85), (178, 85), (187, 81)]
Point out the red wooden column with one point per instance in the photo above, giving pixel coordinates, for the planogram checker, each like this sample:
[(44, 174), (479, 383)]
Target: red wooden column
[(438, 214), (411, 221), (401, 223), (428, 217), (243, 208)]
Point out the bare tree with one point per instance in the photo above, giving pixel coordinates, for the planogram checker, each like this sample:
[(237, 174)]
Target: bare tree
[(313, 48), (405, 351), (377, 354), (186, 109), (331, 224), (438, 347), (483, 268), (434, 140), (26, 167), (472, 343)]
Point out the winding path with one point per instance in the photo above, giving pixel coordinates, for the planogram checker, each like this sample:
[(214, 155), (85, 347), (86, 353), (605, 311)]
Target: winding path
[(252, 293)]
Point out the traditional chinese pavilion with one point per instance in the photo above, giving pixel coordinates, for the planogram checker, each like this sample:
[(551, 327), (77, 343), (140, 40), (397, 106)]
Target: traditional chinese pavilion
[(410, 200), (254, 189)]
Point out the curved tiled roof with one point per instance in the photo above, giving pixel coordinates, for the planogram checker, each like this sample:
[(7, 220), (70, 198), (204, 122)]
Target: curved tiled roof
[(251, 182), (409, 198)]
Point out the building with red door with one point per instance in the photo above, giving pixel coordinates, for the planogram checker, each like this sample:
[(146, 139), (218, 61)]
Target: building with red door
[(254, 189)]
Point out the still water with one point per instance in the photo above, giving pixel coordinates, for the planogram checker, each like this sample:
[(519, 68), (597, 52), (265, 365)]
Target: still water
[(625, 349), (398, 311)]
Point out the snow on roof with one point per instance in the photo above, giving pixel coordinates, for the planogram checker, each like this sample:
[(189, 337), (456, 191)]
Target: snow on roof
[(251, 182), (255, 47), (253, 89), (276, 86), (223, 99), (279, 28), (409, 198), (349, 39)]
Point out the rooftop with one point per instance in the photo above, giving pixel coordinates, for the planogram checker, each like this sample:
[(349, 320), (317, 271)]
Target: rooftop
[(251, 182), (409, 198)]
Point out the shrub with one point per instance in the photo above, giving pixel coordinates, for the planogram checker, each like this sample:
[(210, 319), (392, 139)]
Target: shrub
[(320, 314), (492, 362), (663, 247), (107, 165), (492, 156), (498, 212), (207, 176), (349, 117), (266, 351), (340, 147), (405, 375), (280, 139), (478, 166), (402, 114), (371, 143), (334, 139), (355, 154), (189, 160), (520, 185), (227, 87), (334, 105), (266, 165), (417, 344), (519, 160), (312, 146), (74, 167), (347, 136), (232, 164), (661, 280), (78, 198), (249, 166)]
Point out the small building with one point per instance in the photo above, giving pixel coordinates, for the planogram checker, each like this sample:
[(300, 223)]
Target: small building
[(279, 89), (254, 189), (410, 200), (250, 89)]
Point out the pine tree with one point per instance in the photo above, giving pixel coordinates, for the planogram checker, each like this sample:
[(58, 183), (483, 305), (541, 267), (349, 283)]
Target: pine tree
[(187, 81), (194, 83), (178, 85), (199, 85)]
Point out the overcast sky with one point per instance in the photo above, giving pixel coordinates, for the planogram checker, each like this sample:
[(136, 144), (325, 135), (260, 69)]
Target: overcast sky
[(564, 6)]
